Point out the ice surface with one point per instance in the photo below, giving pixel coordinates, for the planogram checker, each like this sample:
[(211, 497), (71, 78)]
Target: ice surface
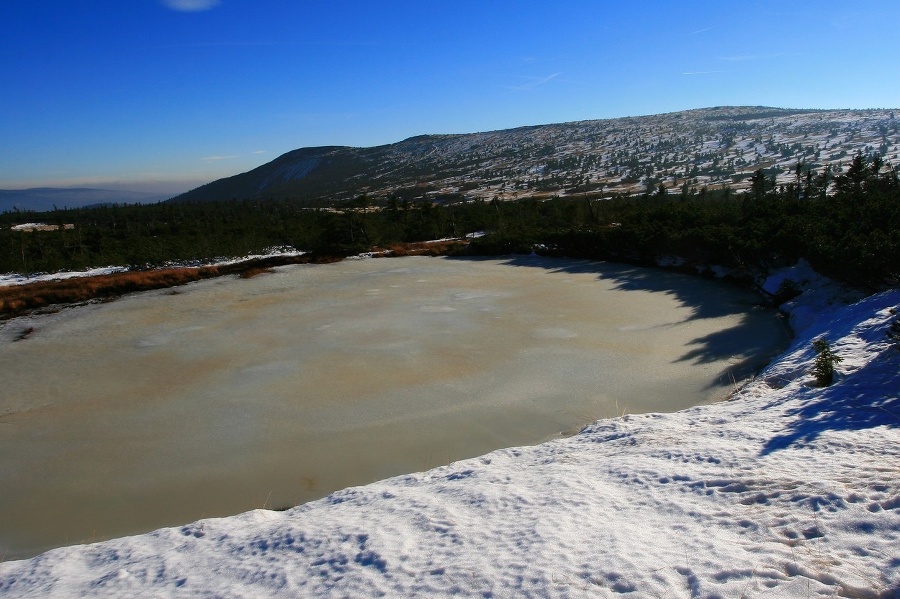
[(788, 490), (233, 394)]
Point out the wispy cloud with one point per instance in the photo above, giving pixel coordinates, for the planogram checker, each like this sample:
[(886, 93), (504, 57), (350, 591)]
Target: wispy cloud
[(749, 57), (701, 30), (191, 5), (703, 72), (534, 82), (221, 157)]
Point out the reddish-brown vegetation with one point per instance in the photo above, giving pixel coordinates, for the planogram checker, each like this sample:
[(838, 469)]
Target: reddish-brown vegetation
[(21, 299), (424, 248), (24, 298)]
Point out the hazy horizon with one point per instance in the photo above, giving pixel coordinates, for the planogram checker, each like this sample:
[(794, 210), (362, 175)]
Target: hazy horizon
[(149, 187)]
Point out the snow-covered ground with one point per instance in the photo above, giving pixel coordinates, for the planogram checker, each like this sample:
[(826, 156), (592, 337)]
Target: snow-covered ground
[(10, 279), (787, 490)]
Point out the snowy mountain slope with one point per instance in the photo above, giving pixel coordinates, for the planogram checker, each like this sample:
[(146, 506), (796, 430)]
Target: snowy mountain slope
[(710, 147), (788, 490)]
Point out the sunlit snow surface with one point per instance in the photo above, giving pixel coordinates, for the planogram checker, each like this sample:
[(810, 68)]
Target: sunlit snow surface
[(787, 491)]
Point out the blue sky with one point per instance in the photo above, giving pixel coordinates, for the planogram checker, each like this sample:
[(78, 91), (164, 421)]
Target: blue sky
[(170, 94)]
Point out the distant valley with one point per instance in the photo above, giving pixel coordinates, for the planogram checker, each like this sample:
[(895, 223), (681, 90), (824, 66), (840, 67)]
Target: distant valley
[(42, 199)]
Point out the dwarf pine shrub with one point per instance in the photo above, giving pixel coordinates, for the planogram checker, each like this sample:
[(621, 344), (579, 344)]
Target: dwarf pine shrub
[(823, 368)]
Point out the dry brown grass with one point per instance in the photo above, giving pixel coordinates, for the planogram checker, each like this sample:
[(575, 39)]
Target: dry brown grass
[(425, 248), (22, 299)]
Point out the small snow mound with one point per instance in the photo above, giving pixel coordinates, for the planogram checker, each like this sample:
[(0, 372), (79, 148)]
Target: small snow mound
[(819, 297)]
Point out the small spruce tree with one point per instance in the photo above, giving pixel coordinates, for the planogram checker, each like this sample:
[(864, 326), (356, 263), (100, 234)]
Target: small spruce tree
[(823, 368)]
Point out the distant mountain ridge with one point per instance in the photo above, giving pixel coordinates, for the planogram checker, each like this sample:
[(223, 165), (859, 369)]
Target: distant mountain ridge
[(711, 147), (41, 199)]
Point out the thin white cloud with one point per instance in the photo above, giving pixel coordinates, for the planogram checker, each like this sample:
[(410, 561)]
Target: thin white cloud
[(535, 82), (191, 5), (220, 157), (748, 57), (702, 72), (701, 30)]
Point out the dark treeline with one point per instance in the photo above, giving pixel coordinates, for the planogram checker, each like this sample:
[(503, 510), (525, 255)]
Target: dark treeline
[(848, 227), (851, 234)]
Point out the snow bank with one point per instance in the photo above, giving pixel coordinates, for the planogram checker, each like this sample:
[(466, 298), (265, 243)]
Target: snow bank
[(10, 279), (819, 298), (788, 490)]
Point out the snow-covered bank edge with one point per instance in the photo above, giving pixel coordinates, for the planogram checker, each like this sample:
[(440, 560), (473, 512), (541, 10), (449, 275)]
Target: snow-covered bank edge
[(787, 491), (10, 279)]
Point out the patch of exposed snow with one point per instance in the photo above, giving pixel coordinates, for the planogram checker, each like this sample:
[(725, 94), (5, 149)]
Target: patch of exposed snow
[(819, 297), (670, 261), (292, 171), (10, 279)]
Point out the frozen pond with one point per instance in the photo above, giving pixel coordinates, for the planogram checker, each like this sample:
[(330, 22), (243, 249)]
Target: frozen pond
[(230, 394)]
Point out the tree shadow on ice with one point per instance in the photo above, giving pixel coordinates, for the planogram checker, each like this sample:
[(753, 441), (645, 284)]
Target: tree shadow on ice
[(706, 299), (863, 399), (741, 344)]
